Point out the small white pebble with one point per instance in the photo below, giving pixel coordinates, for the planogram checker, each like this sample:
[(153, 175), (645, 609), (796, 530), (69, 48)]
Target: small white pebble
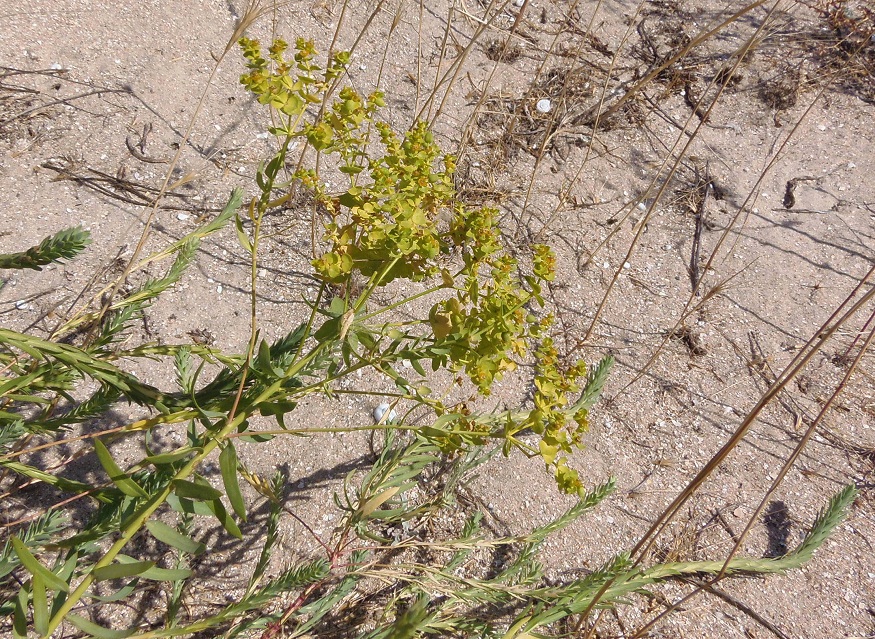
[(544, 105), (56, 66), (627, 265), (642, 206), (380, 410), (606, 265), (21, 305), (219, 288), (182, 216)]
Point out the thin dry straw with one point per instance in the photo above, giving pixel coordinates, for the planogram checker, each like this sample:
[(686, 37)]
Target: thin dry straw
[(788, 464), (565, 193), (802, 358), (452, 73), (688, 309), (642, 224), (251, 14)]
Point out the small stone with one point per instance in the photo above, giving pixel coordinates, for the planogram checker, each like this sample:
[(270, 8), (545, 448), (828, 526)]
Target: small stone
[(380, 411), (182, 216), (21, 305), (544, 105), (56, 66)]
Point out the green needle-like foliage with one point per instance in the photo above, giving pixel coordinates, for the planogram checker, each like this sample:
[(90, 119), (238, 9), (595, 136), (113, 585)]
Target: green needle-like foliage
[(63, 245)]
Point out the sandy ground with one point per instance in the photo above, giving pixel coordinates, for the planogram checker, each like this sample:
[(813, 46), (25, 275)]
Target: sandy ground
[(100, 74)]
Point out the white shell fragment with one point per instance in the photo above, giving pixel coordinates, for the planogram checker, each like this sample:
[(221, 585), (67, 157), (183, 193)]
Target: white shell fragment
[(380, 411), (544, 105)]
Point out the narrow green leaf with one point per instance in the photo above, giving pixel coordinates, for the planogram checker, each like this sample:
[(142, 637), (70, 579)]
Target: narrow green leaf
[(417, 366), (93, 630), (124, 483), (40, 607), (120, 570), (19, 619), (245, 242), (228, 523), (228, 466), (172, 537), (169, 458), (263, 362), (61, 483), (36, 568), (166, 574), (65, 573), (191, 507), (277, 409), (117, 595), (191, 490), (594, 384)]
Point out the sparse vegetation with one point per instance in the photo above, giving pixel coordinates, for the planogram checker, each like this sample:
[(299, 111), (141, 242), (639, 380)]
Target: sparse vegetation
[(421, 278)]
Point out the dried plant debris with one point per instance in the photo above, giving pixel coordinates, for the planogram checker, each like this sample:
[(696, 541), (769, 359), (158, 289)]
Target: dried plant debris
[(503, 51), (691, 339), (118, 187)]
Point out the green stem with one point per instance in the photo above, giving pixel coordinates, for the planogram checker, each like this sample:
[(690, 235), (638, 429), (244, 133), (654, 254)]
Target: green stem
[(233, 421), (406, 300), (139, 519)]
